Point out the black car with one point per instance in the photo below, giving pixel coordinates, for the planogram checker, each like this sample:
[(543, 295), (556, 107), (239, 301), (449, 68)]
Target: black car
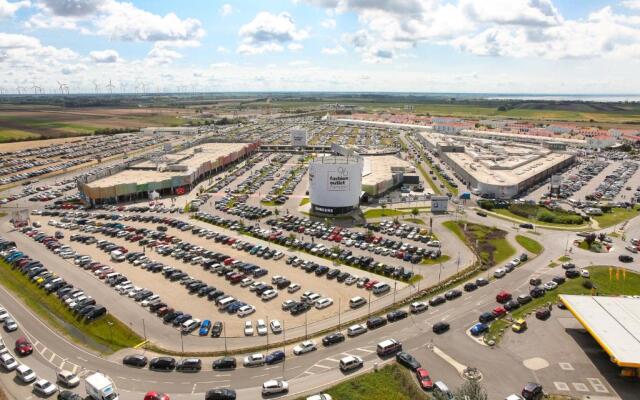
[(511, 305), (526, 226), (299, 308), (436, 301), (220, 394), (69, 395), (189, 365), (162, 364), (440, 327), (559, 280), (543, 314), (625, 258), (397, 315), (408, 360), (568, 266), (535, 281), (482, 282), (224, 363), (333, 338), (536, 292), (486, 317), (470, 287), (376, 322), (532, 391), (216, 329), (452, 294), (572, 273)]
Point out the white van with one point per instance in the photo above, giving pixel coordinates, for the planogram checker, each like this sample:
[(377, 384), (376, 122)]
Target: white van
[(388, 346), (117, 256), (439, 388), (380, 288), (357, 301), (224, 303), (350, 362)]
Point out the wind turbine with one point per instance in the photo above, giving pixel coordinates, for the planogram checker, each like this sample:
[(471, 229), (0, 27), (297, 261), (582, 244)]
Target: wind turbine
[(123, 87), (110, 86), (96, 86), (36, 89), (63, 88)]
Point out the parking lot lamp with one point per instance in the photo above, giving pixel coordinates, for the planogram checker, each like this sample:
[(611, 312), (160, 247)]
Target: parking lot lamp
[(267, 318), (224, 334), (110, 324)]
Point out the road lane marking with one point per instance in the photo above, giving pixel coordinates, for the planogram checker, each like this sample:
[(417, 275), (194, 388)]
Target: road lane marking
[(562, 386), (321, 366), (566, 366), (597, 385), (331, 359), (365, 350), (580, 387), (53, 355)]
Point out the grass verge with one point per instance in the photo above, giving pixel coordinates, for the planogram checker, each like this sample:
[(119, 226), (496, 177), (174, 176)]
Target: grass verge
[(106, 334), (621, 283), (304, 201), (616, 216), (529, 244), (383, 212), (432, 261), (489, 243), (506, 213), (390, 382)]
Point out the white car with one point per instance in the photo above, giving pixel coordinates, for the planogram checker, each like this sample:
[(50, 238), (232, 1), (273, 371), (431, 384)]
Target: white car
[(246, 310), (67, 378), (585, 273), (321, 396), (10, 325), (418, 307), (246, 282), (304, 347), (294, 287), (44, 387), (324, 303), (4, 314), (25, 374), (274, 386), (499, 273), (550, 285), (248, 328), (254, 360), (356, 330), (261, 327), (276, 327), (8, 362), (269, 294), (287, 304)]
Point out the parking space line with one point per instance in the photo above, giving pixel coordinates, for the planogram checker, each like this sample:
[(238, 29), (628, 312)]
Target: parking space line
[(364, 350), (331, 359), (566, 366), (597, 385), (53, 355), (562, 386), (321, 366), (580, 387)]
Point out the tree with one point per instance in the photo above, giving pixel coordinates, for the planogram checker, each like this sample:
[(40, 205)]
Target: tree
[(415, 212), (276, 212), (590, 238), (471, 390), (384, 206)]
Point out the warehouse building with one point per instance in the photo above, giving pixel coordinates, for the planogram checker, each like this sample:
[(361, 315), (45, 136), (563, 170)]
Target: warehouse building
[(166, 175), (496, 169), (383, 173)]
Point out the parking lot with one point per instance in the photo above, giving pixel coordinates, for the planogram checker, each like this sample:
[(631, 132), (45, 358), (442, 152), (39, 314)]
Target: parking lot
[(200, 307)]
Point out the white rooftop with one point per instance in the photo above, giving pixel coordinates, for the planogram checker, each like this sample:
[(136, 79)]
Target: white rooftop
[(614, 322)]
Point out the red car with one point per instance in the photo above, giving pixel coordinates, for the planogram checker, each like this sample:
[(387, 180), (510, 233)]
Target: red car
[(156, 396), (23, 347), (369, 285), (499, 311), (503, 296), (424, 379)]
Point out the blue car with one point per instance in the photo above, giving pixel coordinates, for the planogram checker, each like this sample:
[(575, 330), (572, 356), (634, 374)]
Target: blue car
[(204, 327), (235, 306), (275, 357), (478, 329)]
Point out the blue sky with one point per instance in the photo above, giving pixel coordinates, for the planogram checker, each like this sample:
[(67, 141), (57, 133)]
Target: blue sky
[(519, 46)]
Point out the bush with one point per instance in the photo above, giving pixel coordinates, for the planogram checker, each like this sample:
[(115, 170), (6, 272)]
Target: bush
[(587, 284)]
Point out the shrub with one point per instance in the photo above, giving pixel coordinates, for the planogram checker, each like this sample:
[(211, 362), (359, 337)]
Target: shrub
[(587, 284)]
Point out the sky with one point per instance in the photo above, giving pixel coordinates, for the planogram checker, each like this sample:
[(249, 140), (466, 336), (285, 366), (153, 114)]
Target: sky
[(469, 46)]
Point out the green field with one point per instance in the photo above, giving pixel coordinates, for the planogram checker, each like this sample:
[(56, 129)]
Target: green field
[(304, 201), (616, 216), (617, 285), (492, 245), (529, 244), (106, 334), (12, 135), (391, 382), (383, 212), (507, 213)]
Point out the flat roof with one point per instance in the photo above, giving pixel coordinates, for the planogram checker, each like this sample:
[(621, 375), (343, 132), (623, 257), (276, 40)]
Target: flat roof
[(209, 152), (614, 322), (378, 168)]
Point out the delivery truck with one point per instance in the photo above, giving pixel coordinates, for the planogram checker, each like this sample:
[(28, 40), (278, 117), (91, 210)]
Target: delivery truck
[(100, 387)]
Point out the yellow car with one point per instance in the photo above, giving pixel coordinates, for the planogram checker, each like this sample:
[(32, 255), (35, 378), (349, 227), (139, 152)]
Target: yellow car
[(519, 326)]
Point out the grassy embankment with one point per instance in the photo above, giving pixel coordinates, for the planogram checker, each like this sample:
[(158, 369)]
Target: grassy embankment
[(106, 334), (492, 245), (599, 276), (529, 244), (390, 382)]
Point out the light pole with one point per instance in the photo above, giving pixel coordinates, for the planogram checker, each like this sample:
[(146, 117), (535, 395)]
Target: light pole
[(284, 346), (305, 325), (395, 285), (181, 344), (144, 330), (339, 310), (369, 303), (110, 324), (267, 318), (224, 334)]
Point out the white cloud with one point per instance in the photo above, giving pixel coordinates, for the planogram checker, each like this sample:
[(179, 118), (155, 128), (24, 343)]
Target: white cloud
[(226, 9), (505, 28), (105, 56), (269, 32), (328, 23), (162, 55), (300, 63), (295, 46), (221, 65), (334, 50), (116, 20), (632, 4), (8, 9), (222, 49)]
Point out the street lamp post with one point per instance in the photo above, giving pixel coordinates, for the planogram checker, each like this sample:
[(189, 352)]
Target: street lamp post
[(339, 310), (110, 324), (284, 346), (369, 303), (267, 333), (181, 344), (224, 333)]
